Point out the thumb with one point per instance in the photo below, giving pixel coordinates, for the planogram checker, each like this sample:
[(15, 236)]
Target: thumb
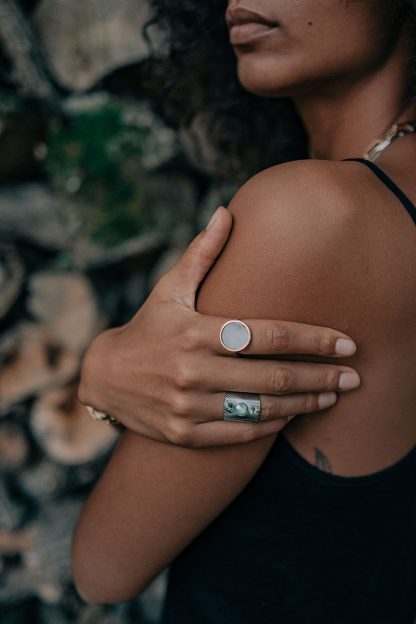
[(187, 274)]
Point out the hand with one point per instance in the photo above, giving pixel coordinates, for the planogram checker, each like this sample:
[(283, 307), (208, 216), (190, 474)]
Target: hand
[(164, 373)]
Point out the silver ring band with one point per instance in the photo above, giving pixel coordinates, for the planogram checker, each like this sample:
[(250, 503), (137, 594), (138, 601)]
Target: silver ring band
[(242, 407)]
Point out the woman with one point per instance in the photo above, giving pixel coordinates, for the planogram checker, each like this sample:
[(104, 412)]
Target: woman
[(259, 533)]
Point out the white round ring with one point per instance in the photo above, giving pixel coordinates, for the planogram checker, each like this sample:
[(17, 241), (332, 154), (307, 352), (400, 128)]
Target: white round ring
[(235, 335)]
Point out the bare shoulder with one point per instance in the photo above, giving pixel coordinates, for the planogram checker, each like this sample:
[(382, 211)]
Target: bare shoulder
[(317, 221), (312, 199), (318, 181), (337, 192), (294, 226)]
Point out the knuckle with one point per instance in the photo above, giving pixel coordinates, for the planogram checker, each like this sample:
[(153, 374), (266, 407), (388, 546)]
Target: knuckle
[(282, 380), (311, 402), (180, 405), (268, 411), (317, 343), (329, 380), (191, 338), (323, 344), (178, 432), (185, 377), (278, 337)]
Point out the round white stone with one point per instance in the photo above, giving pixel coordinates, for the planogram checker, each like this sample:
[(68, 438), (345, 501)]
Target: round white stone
[(235, 335)]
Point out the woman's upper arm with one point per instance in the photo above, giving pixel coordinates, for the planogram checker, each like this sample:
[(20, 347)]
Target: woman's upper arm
[(153, 498)]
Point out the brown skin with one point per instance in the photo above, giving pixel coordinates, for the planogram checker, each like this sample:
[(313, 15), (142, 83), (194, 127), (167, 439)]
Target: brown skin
[(336, 249), (167, 344)]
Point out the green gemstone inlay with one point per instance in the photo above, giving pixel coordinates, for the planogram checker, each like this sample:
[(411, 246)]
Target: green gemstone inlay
[(230, 408), (242, 409)]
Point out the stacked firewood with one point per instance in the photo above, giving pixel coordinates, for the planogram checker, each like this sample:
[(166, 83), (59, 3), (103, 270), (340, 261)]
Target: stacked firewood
[(67, 271), (51, 450), (97, 200)]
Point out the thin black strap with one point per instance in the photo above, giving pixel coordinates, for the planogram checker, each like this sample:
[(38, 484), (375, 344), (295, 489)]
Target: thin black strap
[(410, 207)]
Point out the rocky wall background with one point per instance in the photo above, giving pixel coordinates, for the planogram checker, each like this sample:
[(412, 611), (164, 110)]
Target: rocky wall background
[(97, 199)]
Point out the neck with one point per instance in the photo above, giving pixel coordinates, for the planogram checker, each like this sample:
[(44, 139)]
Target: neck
[(342, 121)]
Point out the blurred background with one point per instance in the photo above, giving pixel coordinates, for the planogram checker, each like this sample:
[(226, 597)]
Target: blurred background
[(98, 198)]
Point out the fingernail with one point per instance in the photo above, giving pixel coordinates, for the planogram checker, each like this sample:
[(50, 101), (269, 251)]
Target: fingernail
[(326, 399), (345, 347), (213, 218), (349, 381), (289, 418)]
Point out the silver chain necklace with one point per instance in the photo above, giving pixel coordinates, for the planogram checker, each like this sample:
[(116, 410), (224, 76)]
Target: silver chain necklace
[(397, 130)]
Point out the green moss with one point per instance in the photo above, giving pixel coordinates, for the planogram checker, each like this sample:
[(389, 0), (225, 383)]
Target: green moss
[(99, 160)]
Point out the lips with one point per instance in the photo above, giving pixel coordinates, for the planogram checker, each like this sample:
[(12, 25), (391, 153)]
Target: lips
[(235, 16), (245, 25)]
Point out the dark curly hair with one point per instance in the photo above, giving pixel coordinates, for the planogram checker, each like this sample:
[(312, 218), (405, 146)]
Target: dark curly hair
[(200, 81)]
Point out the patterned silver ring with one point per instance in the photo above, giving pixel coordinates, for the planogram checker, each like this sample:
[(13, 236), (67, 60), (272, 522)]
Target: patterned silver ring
[(242, 407), (235, 335)]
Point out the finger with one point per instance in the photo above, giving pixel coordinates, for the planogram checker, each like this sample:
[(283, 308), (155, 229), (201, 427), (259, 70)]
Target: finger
[(278, 377), (286, 337), (227, 433), (183, 280), (270, 337), (133, 423), (272, 407)]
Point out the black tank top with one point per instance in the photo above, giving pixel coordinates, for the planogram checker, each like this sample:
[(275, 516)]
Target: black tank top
[(302, 546)]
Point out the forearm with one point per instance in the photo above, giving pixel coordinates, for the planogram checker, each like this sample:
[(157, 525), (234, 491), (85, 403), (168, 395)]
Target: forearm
[(151, 501)]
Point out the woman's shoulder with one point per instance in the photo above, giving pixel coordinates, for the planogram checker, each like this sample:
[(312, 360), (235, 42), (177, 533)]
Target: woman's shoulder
[(312, 172), (312, 202), (322, 230), (304, 190), (323, 201), (294, 233)]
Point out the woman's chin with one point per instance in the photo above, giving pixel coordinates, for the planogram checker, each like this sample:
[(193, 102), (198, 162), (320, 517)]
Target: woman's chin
[(261, 85), (264, 90)]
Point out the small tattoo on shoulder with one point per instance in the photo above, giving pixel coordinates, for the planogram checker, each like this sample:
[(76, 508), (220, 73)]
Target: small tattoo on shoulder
[(322, 462)]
